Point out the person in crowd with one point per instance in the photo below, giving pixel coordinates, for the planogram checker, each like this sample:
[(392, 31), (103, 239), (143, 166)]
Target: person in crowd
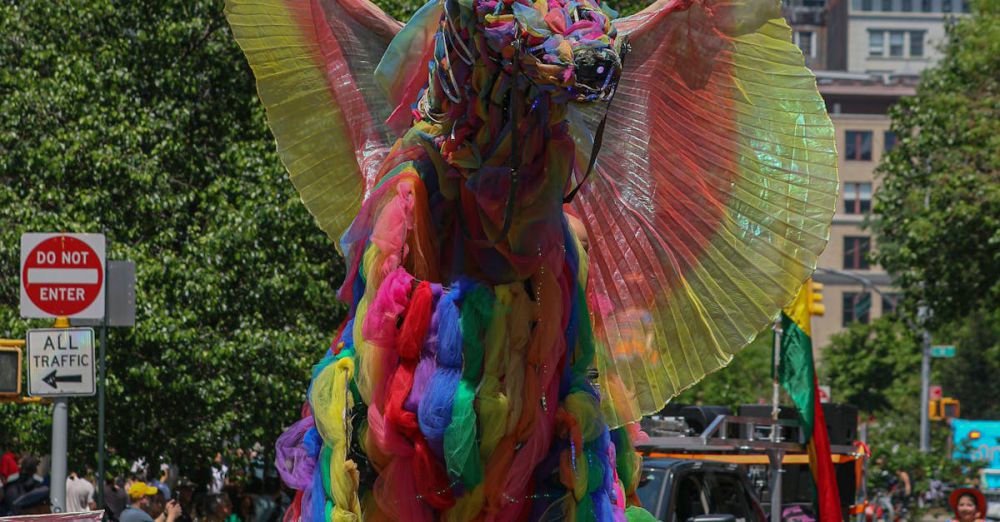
[(140, 497), (238, 510), (184, 491), (220, 471), (79, 494), (8, 466), (264, 497), (160, 480), (217, 507), (20, 483), (34, 502), (968, 505), (115, 497)]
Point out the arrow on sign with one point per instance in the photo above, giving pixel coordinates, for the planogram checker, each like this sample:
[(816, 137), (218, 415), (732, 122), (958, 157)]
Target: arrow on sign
[(53, 380)]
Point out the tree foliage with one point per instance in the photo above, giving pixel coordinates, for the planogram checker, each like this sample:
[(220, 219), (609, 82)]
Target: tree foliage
[(140, 119), (873, 366), (937, 213), (747, 379), (876, 367)]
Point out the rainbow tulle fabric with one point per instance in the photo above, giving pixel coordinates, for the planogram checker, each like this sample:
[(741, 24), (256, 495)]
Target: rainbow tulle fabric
[(462, 385)]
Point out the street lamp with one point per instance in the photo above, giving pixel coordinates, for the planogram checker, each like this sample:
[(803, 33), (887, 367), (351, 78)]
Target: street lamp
[(923, 314)]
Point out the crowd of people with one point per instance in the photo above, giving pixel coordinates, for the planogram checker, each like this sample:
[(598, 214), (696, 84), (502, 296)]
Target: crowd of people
[(144, 495)]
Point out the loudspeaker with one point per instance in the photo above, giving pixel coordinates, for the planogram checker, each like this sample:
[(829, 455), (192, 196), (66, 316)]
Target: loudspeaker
[(699, 417), (841, 422)]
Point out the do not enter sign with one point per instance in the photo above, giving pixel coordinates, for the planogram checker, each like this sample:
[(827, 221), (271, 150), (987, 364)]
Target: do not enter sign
[(62, 275)]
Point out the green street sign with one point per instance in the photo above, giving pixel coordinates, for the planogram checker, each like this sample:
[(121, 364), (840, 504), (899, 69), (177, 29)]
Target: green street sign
[(943, 350)]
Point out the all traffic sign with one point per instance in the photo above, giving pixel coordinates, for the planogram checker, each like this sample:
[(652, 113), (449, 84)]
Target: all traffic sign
[(61, 362), (62, 275)]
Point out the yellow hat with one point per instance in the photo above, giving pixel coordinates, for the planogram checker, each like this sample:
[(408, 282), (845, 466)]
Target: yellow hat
[(140, 489)]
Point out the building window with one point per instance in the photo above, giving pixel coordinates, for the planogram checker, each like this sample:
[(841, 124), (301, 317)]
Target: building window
[(890, 303), (945, 6), (896, 43), (908, 6), (858, 145), (866, 5), (925, 6), (876, 43), (965, 5), (890, 140), (887, 5), (916, 44), (856, 252), (805, 39), (857, 306), (857, 198)]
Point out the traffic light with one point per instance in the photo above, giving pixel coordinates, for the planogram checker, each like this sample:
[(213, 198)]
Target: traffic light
[(10, 371), (814, 298), (950, 408), (934, 410), (944, 408)]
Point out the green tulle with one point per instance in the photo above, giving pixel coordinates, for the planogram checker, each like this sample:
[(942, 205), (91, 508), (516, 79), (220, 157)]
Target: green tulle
[(461, 448), (637, 514)]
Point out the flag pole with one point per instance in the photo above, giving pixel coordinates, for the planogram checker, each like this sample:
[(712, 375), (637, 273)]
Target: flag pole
[(775, 454)]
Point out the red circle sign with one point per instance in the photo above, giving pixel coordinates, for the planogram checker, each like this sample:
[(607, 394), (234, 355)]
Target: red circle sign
[(62, 275)]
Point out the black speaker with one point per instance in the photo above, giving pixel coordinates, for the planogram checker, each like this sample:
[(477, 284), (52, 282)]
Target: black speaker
[(699, 417), (797, 486), (841, 423)]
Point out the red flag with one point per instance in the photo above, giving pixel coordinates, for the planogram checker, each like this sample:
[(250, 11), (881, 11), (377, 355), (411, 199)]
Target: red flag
[(821, 465)]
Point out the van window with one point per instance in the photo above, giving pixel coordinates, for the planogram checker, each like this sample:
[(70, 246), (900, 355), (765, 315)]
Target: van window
[(650, 488), (692, 499), (728, 497)]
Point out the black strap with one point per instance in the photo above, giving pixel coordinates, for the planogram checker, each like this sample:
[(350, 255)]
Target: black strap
[(594, 151)]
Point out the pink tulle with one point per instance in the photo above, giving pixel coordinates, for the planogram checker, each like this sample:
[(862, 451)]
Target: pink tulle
[(380, 329), (394, 222)]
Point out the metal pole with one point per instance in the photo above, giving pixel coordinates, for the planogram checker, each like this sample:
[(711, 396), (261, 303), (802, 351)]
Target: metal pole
[(863, 487), (60, 427), (60, 431), (925, 391), (923, 313), (100, 394), (776, 456)]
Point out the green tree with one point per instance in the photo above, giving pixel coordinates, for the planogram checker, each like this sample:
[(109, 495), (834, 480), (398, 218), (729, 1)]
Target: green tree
[(937, 213), (971, 376), (141, 119), (747, 380), (873, 366)]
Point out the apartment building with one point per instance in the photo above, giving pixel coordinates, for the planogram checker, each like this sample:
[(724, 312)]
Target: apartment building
[(858, 106), (866, 54)]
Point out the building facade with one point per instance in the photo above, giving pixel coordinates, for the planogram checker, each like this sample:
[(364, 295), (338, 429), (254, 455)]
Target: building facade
[(858, 106), (866, 54), (889, 37)]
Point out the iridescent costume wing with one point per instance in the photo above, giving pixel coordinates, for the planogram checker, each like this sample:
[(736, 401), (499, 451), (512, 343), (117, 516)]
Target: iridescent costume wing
[(712, 197), (314, 62)]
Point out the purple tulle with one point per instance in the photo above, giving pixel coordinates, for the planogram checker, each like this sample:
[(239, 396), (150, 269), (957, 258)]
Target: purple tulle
[(294, 462)]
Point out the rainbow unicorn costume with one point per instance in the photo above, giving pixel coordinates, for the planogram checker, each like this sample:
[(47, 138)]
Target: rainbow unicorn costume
[(492, 367)]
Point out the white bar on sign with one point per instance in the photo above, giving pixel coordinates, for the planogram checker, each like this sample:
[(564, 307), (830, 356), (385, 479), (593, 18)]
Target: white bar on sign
[(82, 276)]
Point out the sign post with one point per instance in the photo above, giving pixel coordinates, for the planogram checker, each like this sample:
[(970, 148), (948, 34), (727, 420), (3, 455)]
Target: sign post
[(62, 276)]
